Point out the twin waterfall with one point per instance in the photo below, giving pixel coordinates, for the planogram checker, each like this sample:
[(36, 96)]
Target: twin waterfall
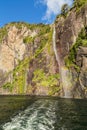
[(65, 74)]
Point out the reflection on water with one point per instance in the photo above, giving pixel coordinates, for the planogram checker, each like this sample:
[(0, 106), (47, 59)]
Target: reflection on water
[(36, 113)]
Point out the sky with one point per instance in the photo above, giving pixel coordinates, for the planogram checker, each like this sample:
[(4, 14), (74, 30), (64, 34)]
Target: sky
[(31, 11)]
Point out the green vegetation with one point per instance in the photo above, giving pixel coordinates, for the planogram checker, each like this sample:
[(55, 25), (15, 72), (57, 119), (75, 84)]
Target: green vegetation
[(45, 80), (79, 4), (39, 50), (19, 75), (43, 30), (81, 41), (44, 33), (8, 86), (20, 25), (28, 39), (3, 33), (32, 27), (45, 39), (64, 9)]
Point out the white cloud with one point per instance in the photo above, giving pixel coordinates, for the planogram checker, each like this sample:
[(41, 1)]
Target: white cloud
[(53, 7)]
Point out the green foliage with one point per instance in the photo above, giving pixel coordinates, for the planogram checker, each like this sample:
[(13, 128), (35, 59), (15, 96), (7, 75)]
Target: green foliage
[(28, 39), (3, 32), (8, 86), (44, 29), (49, 43), (50, 34), (19, 75), (45, 39), (40, 48), (38, 51), (45, 80), (64, 9), (69, 63), (19, 25), (81, 41), (32, 27), (54, 90), (79, 4), (38, 75)]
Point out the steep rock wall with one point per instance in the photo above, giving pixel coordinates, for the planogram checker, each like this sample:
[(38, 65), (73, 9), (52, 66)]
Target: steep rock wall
[(67, 31), (27, 60)]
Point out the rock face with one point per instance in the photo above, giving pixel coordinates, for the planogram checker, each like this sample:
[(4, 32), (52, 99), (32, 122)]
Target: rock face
[(12, 49), (27, 61), (67, 31), (82, 55)]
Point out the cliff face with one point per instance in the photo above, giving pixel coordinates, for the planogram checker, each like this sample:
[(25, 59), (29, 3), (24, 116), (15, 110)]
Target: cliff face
[(71, 48), (27, 61), (45, 59)]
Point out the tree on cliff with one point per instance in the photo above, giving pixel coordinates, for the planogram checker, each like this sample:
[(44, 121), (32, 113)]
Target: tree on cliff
[(64, 9)]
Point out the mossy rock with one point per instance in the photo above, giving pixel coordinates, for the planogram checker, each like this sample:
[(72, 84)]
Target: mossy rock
[(3, 33), (70, 60)]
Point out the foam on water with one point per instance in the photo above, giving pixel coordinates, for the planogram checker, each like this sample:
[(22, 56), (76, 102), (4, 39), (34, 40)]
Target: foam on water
[(38, 116)]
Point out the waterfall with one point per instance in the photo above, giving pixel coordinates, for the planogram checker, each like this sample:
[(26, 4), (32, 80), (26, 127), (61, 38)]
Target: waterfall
[(54, 47), (65, 74), (66, 78)]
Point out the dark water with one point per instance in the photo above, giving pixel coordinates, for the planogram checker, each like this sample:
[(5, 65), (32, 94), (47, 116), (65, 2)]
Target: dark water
[(42, 113)]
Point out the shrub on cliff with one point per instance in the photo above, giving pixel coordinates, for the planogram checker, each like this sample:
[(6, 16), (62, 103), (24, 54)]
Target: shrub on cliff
[(64, 9), (79, 3), (80, 41)]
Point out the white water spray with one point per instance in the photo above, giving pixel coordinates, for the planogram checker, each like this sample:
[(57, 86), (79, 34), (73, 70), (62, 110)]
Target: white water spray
[(54, 46), (38, 116)]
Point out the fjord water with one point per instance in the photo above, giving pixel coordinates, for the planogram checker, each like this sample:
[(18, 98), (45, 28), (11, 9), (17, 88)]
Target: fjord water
[(42, 113)]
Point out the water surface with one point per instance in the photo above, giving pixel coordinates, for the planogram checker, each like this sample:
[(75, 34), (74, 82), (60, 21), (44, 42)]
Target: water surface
[(42, 113)]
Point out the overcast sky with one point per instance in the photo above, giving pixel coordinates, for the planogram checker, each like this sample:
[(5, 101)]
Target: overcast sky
[(31, 11)]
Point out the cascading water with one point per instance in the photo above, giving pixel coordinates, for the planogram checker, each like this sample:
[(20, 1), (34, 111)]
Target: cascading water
[(65, 75), (66, 82), (54, 47)]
